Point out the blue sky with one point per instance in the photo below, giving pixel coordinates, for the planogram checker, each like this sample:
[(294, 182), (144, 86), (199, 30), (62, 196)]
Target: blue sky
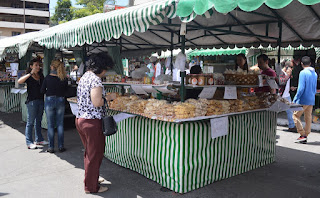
[(53, 4)]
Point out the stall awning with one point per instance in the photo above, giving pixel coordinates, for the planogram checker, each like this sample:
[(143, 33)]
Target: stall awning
[(17, 44), (187, 8), (108, 26), (153, 27), (217, 52)]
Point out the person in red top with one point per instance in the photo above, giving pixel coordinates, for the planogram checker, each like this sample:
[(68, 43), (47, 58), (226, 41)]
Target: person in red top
[(263, 64)]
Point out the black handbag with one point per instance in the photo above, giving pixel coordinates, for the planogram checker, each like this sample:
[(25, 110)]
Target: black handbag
[(109, 125)]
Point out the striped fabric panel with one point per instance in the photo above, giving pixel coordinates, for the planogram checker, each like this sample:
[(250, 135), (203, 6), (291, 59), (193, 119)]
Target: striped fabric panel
[(104, 26), (11, 102), (112, 90), (183, 157)]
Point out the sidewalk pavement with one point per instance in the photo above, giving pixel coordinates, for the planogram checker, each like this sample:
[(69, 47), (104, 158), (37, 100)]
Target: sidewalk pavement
[(35, 173)]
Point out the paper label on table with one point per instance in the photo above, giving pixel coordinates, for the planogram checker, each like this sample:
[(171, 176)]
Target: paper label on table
[(122, 116), (208, 92), (15, 91), (138, 89), (22, 91), (149, 89), (230, 93), (272, 83), (165, 90), (219, 127)]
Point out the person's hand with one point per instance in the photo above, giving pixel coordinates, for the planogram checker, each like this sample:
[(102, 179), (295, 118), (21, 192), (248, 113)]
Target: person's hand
[(112, 96), (289, 71), (293, 88), (34, 71)]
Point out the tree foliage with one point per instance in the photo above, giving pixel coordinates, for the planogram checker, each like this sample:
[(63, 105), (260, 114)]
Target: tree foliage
[(89, 7), (63, 12)]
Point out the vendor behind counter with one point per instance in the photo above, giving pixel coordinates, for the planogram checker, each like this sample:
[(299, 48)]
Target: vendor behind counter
[(194, 93)]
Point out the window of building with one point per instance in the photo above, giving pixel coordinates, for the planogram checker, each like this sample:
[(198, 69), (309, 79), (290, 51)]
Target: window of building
[(41, 21), (16, 33)]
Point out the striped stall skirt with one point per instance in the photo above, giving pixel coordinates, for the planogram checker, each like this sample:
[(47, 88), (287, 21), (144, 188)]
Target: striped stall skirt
[(9, 102), (184, 157)]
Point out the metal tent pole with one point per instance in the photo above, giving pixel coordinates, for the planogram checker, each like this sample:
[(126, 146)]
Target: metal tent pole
[(279, 40)]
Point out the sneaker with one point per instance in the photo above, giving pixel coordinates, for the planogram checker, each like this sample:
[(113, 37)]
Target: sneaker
[(301, 139), (62, 149), (50, 150), (41, 143), (294, 129), (32, 146)]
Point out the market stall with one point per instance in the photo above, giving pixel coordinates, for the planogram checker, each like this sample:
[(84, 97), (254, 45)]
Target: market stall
[(9, 102), (179, 153)]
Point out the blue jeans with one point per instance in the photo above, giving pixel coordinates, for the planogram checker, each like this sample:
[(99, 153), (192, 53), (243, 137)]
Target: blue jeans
[(35, 112), (290, 114), (54, 107)]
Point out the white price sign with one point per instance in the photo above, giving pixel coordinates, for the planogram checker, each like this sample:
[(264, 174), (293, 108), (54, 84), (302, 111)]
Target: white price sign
[(219, 127), (230, 93), (208, 92)]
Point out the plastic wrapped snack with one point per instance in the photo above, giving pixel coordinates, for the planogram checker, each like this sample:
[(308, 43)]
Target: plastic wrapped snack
[(201, 106), (218, 107), (184, 110)]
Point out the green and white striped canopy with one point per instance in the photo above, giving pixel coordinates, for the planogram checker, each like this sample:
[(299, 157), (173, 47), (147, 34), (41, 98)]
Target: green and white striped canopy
[(147, 28), (188, 8), (217, 52), (17, 44), (105, 26)]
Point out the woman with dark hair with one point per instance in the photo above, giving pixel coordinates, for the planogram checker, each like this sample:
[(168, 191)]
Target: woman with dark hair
[(55, 86), (34, 80), (241, 62), (88, 121)]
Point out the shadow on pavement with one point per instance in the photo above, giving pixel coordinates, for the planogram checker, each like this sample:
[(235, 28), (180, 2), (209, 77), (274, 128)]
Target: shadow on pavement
[(294, 174)]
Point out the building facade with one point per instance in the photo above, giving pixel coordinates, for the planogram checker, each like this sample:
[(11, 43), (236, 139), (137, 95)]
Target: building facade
[(22, 16)]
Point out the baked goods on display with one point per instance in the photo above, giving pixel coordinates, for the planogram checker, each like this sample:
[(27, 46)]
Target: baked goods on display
[(137, 106), (241, 77), (237, 105), (119, 103), (153, 107), (184, 110), (201, 106), (73, 100), (218, 107)]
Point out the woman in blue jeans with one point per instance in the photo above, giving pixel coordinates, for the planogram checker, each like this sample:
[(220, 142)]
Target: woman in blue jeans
[(54, 86), (34, 80)]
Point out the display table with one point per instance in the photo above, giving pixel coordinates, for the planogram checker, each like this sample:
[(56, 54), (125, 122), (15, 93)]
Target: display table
[(184, 157), (9, 102)]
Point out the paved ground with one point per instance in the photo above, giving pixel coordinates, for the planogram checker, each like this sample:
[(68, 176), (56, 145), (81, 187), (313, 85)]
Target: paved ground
[(35, 173)]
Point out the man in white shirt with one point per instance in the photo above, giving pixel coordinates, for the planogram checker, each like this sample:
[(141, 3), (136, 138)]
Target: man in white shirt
[(284, 82)]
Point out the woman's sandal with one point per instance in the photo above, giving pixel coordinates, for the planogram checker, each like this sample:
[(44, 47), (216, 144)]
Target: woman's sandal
[(101, 189)]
